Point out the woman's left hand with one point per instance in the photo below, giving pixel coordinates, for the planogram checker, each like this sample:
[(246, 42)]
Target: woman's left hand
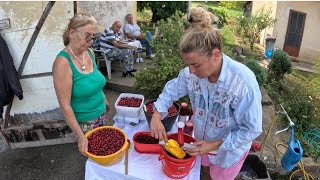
[(203, 147)]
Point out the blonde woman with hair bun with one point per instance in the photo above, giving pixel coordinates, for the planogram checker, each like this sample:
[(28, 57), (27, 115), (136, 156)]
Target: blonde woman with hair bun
[(78, 82), (224, 95), (199, 17)]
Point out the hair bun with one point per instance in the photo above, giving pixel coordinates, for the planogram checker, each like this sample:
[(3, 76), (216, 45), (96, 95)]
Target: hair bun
[(199, 17)]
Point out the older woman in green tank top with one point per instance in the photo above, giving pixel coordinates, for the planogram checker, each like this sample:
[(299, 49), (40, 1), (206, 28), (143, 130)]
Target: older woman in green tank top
[(77, 81)]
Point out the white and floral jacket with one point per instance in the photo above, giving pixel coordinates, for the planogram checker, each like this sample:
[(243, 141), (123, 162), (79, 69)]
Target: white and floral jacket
[(229, 109)]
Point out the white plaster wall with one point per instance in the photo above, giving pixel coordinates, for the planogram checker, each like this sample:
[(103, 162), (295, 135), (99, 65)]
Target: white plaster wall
[(106, 12), (310, 46), (39, 94)]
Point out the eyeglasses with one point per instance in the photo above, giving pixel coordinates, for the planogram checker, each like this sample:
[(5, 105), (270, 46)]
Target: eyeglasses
[(88, 37)]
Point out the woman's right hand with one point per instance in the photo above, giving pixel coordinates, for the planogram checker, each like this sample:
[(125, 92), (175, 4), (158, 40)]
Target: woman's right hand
[(83, 144), (157, 129)]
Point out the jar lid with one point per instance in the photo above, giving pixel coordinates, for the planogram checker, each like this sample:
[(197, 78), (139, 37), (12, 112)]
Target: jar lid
[(180, 124), (184, 104)]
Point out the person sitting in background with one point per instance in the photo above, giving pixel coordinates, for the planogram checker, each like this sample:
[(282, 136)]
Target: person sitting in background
[(77, 81), (133, 31), (109, 42)]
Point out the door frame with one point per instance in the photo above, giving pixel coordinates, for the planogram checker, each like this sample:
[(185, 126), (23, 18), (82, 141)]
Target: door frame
[(287, 31)]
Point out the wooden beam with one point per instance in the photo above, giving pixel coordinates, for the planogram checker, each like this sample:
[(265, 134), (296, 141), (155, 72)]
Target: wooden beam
[(46, 142), (36, 75), (34, 36)]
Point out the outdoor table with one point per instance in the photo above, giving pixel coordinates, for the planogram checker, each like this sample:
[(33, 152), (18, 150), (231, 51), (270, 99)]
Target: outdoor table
[(141, 166)]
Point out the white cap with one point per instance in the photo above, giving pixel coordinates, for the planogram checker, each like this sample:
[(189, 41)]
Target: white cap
[(180, 124)]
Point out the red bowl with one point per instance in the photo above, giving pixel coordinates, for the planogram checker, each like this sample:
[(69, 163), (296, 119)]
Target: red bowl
[(146, 148)]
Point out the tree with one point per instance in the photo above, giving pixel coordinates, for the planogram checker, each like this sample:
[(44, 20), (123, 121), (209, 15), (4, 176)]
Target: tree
[(250, 27), (163, 9)]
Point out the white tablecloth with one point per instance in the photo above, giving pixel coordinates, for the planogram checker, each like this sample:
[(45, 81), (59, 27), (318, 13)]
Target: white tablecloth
[(141, 166)]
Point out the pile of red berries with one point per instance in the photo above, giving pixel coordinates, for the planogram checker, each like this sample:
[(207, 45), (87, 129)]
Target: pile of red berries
[(105, 142), (146, 139), (172, 111), (130, 102)]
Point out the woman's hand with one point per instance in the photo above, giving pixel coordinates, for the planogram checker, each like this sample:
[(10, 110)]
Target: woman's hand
[(82, 144), (204, 147), (157, 129)]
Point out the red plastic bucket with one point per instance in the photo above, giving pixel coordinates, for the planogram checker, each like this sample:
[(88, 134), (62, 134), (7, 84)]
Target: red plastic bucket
[(173, 167)]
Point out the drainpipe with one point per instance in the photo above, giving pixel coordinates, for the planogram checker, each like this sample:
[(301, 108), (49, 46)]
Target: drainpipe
[(75, 7)]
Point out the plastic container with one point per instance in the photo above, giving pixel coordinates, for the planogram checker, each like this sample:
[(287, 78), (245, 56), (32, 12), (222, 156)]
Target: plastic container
[(146, 148), (180, 137), (112, 158), (167, 121), (293, 153), (183, 112), (132, 114), (253, 168), (173, 167), (188, 128)]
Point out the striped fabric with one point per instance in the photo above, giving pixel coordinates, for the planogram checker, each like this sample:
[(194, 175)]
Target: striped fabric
[(106, 39)]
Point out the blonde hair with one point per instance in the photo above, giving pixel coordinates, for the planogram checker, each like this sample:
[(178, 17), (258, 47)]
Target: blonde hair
[(201, 35), (199, 17), (78, 20)]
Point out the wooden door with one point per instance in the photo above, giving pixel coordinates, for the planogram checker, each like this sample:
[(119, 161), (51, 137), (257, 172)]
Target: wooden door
[(294, 32)]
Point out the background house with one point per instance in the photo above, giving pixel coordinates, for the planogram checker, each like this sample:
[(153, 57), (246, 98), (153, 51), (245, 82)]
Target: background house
[(39, 94), (296, 29)]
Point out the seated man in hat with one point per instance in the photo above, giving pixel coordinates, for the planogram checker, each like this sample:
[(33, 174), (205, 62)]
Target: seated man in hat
[(133, 31), (109, 42)]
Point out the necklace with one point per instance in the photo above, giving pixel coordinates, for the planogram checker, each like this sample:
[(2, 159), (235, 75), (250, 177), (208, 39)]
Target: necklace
[(83, 67)]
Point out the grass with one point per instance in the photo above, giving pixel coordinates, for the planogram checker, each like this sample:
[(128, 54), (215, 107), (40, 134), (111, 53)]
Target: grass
[(144, 16), (209, 4)]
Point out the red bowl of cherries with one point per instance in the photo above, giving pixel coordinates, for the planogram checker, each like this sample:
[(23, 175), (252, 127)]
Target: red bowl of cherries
[(145, 143)]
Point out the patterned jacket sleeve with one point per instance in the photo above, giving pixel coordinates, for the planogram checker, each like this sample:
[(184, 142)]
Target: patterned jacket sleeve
[(173, 91), (249, 115)]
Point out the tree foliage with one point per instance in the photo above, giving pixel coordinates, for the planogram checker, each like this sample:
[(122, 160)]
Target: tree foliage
[(259, 71), (168, 62), (163, 9), (249, 28)]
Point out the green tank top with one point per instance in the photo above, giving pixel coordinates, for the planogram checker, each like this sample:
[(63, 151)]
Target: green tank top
[(87, 97)]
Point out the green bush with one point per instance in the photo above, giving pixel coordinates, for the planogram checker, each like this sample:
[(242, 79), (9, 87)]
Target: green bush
[(299, 106), (259, 71), (221, 13), (280, 65), (163, 9), (168, 62)]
